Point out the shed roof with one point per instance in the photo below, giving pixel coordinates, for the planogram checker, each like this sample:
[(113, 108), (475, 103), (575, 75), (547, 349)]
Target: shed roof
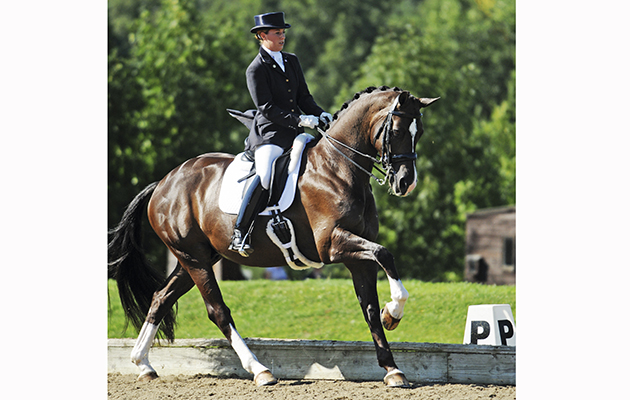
[(494, 210)]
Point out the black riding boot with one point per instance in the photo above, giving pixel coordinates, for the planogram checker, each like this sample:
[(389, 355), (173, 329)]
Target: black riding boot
[(254, 201)]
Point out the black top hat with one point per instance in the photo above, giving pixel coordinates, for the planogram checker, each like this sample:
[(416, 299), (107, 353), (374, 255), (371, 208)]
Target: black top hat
[(274, 20)]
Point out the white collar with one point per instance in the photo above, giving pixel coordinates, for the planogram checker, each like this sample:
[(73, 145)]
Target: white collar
[(276, 55)]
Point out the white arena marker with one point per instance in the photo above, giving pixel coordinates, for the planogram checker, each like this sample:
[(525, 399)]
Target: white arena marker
[(490, 324)]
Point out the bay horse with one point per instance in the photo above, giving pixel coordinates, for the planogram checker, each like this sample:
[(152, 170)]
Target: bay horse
[(334, 213)]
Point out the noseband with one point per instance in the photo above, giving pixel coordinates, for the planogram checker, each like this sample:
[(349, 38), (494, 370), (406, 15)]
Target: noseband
[(387, 159)]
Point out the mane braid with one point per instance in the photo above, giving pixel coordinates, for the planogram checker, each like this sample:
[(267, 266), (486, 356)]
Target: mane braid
[(358, 94)]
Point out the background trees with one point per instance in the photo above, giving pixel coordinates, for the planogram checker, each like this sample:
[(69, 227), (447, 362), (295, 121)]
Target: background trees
[(176, 65)]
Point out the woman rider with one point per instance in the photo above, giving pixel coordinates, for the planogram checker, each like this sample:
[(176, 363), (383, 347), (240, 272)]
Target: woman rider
[(277, 86)]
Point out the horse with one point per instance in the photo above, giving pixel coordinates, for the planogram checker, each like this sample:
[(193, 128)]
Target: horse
[(334, 213)]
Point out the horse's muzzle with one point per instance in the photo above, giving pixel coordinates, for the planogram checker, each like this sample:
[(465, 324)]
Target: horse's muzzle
[(403, 181)]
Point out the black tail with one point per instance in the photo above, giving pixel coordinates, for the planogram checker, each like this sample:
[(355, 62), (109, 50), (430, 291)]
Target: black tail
[(137, 280)]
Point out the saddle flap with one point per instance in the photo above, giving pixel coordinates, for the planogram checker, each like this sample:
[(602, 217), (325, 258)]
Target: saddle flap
[(279, 174), (283, 184)]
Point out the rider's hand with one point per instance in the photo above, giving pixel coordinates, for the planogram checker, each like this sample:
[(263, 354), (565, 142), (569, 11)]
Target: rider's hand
[(326, 118), (309, 121)]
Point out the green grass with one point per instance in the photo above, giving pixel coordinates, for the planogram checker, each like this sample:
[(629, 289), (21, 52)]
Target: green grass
[(326, 309)]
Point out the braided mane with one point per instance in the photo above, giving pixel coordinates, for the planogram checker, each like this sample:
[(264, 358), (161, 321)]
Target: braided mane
[(358, 94)]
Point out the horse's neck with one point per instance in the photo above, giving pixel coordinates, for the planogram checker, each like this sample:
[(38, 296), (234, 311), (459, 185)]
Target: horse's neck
[(342, 160), (355, 130)]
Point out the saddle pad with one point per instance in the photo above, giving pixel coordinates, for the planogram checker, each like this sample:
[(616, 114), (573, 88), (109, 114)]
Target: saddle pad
[(231, 194)]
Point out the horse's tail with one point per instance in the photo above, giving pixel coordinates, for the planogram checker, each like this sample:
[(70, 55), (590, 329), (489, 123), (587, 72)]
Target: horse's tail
[(137, 280)]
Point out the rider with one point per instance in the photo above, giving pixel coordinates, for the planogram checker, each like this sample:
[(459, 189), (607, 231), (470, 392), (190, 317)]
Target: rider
[(277, 86)]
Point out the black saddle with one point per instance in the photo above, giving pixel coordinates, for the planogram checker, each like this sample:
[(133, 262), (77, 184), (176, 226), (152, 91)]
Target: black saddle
[(280, 167), (279, 173)]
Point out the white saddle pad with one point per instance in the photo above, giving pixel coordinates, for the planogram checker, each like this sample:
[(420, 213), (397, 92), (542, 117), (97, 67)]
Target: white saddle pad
[(231, 194)]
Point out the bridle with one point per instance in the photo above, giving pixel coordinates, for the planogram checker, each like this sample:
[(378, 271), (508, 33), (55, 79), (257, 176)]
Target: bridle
[(387, 159)]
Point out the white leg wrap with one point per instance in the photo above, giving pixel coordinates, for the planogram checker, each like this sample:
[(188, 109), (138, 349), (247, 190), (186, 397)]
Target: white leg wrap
[(399, 296), (140, 352), (248, 359)]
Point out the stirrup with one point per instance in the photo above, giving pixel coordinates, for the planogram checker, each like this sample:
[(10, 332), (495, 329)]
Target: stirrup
[(240, 245)]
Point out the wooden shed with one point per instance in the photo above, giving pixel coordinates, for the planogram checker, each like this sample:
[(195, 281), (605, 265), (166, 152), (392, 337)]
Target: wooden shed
[(491, 246)]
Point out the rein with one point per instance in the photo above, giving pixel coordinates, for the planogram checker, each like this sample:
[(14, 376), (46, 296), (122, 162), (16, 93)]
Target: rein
[(387, 159), (369, 157)]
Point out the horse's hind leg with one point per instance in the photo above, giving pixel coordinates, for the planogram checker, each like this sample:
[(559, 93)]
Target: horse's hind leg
[(220, 314), (178, 283)]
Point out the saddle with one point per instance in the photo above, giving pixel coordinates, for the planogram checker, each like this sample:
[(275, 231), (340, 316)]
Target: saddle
[(279, 175), (285, 172), (286, 168)]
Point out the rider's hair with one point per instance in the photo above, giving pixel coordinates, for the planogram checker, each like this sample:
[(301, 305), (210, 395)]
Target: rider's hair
[(257, 34)]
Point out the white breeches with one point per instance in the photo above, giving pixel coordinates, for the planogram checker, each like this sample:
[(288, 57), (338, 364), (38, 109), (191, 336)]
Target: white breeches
[(265, 156)]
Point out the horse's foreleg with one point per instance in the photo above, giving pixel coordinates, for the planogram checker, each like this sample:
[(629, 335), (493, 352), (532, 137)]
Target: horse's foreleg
[(350, 247), (363, 257), (219, 313), (163, 300), (392, 313), (364, 280)]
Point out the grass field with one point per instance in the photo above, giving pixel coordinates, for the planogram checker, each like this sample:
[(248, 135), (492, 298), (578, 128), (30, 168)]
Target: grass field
[(326, 309)]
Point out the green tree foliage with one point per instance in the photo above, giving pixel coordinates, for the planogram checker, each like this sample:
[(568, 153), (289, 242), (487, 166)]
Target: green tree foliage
[(167, 98), (462, 51), (176, 65)]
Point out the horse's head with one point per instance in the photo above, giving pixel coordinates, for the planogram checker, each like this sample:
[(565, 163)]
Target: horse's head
[(396, 141)]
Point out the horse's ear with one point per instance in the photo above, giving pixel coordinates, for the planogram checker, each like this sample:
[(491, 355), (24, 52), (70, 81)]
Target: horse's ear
[(427, 102), (402, 98)]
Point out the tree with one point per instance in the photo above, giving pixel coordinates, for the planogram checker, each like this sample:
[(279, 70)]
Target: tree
[(462, 51), (176, 65), (167, 99)]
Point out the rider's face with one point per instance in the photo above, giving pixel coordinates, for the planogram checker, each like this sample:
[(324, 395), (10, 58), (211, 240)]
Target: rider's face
[(274, 39)]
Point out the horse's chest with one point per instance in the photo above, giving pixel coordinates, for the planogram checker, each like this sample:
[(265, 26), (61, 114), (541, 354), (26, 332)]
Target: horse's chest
[(359, 215)]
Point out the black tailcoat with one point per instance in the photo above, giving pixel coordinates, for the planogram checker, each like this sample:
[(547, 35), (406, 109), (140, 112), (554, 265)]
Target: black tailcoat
[(280, 97)]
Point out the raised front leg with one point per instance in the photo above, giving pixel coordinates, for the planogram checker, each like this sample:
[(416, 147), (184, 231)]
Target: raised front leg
[(364, 279), (363, 258), (349, 248), (392, 313)]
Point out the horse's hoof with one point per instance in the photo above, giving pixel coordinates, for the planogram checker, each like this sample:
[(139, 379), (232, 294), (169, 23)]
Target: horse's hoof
[(265, 378), (390, 323), (397, 380), (149, 376)]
